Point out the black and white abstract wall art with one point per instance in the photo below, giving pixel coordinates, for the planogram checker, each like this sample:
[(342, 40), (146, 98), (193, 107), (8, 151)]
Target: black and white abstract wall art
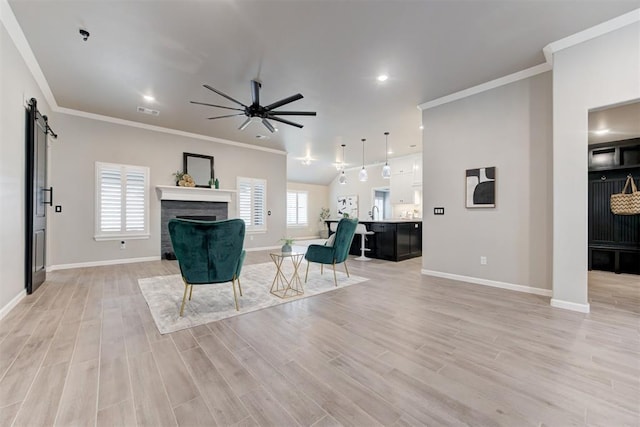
[(481, 188), (348, 205)]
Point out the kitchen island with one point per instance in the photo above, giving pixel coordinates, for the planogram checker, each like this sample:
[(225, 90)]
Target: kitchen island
[(393, 240)]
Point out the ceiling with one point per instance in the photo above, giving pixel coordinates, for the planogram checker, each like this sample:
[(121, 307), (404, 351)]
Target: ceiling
[(329, 50), (614, 123)]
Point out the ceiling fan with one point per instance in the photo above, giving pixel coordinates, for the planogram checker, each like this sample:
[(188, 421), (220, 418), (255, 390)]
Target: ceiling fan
[(257, 111)]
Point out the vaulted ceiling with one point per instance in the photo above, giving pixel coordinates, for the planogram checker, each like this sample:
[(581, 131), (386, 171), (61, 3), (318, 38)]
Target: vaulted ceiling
[(331, 51)]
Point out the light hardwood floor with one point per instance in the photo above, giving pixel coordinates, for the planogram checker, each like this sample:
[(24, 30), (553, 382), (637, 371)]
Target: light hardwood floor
[(400, 349)]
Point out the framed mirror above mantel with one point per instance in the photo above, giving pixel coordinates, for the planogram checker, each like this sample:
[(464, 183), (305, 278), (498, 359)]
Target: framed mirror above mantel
[(200, 168)]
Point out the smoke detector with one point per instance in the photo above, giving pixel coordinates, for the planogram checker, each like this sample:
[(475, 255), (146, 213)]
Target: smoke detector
[(149, 111)]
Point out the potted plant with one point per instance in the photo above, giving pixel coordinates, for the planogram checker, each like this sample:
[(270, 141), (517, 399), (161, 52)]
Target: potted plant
[(325, 213), (288, 241), (178, 176)]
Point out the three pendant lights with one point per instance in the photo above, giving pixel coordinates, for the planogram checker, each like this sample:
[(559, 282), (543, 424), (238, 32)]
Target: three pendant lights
[(362, 175)]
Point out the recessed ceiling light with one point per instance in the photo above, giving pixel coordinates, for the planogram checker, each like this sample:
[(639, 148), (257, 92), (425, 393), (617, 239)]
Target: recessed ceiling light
[(382, 77), (412, 145), (148, 98), (390, 152), (421, 127), (601, 132)]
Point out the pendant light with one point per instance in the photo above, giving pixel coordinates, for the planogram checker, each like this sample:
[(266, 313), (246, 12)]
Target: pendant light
[(386, 169), (343, 178), (362, 176)]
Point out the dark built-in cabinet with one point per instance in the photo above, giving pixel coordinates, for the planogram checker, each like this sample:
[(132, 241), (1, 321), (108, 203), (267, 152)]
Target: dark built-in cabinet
[(392, 240), (614, 240)]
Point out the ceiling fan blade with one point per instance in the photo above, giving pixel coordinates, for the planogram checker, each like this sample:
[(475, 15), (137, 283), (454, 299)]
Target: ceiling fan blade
[(224, 95), (284, 101), (255, 92), (228, 115), (213, 105), (287, 122), (268, 125), (246, 123), (292, 113)]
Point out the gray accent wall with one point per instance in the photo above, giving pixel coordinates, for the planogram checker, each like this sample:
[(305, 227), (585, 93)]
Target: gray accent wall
[(510, 128), (84, 141)]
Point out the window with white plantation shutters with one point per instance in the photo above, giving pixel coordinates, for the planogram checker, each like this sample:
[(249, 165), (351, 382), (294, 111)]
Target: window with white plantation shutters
[(121, 201), (296, 208), (252, 202)]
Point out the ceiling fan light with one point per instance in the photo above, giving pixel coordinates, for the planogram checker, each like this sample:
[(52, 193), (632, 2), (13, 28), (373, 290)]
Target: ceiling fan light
[(268, 125), (386, 171), (343, 179), (246, 123), (362, 176)]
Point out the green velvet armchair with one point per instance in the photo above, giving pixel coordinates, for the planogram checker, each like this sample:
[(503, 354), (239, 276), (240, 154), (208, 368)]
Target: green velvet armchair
[(336, 253), (208, 252)]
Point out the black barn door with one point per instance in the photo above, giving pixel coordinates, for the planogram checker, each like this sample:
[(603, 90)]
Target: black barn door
[(38, 196)]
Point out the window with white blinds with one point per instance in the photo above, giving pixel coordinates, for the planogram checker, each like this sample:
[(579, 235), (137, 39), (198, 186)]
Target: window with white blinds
[(252, 203), (296, 208), (122, 203)]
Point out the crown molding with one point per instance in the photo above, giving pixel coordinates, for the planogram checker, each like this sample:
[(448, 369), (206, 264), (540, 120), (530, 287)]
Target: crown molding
[(161, 129), (502, 81), (10, 22), (591, 33), (15, 32), (548, 51)]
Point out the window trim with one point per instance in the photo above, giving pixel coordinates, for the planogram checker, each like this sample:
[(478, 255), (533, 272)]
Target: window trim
[(99, 235), (250, 228), (297, 224)]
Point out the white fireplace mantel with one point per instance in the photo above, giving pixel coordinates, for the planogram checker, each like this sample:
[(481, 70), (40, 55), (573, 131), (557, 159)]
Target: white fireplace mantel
[(193, 194)]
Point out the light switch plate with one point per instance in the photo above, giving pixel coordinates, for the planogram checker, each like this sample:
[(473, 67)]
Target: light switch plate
[(438, 211)]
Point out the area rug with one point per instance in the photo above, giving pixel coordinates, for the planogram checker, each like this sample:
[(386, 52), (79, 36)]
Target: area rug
[(214, 302)]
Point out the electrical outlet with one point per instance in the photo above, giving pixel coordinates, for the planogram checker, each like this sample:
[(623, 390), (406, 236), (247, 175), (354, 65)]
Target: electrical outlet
[(483, 260), (438, 211), (123, 245)]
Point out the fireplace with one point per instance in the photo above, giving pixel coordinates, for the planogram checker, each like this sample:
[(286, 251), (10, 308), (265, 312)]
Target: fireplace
[(186, 209), (201, 204)]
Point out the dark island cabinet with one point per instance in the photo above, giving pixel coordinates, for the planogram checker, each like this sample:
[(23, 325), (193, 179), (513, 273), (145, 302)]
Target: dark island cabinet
[(392, 240)]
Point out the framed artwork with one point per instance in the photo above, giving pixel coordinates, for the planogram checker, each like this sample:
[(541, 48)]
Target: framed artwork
[(348, 205), (481, 188)]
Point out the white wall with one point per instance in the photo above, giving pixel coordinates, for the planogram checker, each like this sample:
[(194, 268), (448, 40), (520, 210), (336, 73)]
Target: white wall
[(354, 187), (599, 72), (83, 141), (510, 128), (16, 87), (318, 197)]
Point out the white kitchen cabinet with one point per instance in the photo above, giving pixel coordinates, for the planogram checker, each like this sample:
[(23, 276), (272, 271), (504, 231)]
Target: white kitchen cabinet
[(406, 178), (402, 188)]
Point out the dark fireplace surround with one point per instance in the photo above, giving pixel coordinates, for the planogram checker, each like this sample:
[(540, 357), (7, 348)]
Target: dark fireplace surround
[(186, 208)]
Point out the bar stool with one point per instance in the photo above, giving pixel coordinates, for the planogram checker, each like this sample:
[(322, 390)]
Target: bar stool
[(362, 231)]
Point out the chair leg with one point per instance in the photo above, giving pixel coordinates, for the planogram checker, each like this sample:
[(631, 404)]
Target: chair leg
[(190, 292), (307, 273), (346, 269), (184, 297), (321, 268), (334, 274), (239, 287), (235, 297)]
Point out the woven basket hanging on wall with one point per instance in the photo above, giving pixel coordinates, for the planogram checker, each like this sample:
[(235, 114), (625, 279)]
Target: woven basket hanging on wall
[(626, 203)]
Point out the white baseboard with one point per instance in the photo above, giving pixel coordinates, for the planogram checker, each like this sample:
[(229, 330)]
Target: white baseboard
[(264, 248), (101, 263), (492, 283), (7, 308), (582, 308)]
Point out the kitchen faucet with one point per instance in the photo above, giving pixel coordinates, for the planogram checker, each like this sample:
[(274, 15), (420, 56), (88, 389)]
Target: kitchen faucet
[(373, 212)]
